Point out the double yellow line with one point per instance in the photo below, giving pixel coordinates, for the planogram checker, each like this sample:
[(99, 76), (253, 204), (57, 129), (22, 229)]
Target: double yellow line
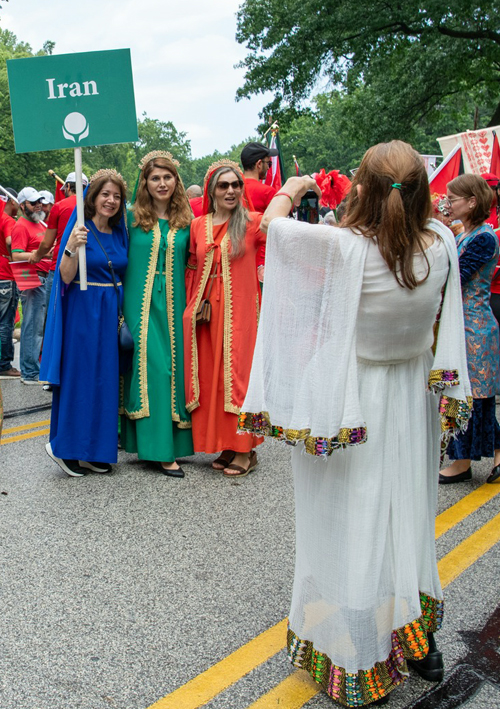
[(7, 436), (298, 688)]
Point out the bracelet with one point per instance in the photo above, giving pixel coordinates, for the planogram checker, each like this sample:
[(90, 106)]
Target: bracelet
[(284, 194)]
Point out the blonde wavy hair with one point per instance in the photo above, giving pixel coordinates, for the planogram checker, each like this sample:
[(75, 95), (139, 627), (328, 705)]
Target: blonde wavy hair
[(179, 210)]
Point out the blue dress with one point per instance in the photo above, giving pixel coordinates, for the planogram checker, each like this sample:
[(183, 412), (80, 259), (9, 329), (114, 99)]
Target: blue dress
[(478, 257), (80, 356)]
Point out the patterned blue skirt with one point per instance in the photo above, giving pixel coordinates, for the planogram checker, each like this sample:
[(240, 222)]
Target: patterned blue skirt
[(482, 436)]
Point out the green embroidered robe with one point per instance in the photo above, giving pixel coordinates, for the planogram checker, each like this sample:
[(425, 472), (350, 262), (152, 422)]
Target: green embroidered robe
[(155, 424)]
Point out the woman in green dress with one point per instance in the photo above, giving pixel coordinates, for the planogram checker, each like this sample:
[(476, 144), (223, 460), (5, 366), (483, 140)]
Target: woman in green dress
[(154, 422)]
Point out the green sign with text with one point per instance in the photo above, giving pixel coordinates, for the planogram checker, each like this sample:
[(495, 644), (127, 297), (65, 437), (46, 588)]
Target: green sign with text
[(72, 100)]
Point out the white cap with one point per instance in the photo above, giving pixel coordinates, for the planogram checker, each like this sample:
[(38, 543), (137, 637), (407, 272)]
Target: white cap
[(47, 197), (28, 194), (72, 178)]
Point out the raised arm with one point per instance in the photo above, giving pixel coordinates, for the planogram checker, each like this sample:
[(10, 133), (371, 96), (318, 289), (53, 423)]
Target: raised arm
[(289, 195)]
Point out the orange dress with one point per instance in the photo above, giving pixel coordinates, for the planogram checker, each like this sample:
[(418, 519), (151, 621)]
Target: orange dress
[(218, 355)]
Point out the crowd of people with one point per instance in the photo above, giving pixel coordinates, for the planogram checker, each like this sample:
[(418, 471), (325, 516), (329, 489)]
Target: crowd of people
[(374, 351)]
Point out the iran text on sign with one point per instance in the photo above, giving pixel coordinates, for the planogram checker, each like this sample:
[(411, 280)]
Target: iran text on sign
[(72, 100)]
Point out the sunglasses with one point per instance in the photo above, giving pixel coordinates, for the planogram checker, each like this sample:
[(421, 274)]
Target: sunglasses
[(37, 201), (236, 185)]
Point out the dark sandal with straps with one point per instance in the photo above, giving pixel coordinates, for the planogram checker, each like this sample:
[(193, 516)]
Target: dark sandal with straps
[(225, 459), (240, 472)]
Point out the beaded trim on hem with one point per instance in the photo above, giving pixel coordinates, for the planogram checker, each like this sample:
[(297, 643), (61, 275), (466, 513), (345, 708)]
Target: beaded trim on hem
[(356, 689), (260, 425), (454, 413)]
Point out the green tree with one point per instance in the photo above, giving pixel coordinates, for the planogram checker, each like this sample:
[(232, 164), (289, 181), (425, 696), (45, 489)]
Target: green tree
[(28, 168), (416, 54)]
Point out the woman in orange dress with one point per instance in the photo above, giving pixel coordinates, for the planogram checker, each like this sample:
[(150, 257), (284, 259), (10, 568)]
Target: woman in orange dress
[(218, 353)]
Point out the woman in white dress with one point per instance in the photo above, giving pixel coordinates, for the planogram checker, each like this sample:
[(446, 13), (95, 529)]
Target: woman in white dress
[(347, 328)]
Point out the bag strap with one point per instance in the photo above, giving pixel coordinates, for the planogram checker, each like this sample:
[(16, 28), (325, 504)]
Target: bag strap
[(110, 266), (212, 278)]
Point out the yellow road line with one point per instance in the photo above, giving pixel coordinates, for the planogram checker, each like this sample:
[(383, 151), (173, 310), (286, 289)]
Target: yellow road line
[(465, 554), (216, 679), (24, 436), (292, 693), (26, 426), (464, 507)]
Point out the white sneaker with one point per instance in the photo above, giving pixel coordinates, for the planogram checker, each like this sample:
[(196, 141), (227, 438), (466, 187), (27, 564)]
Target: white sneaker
[(30, 382), (70, 467)]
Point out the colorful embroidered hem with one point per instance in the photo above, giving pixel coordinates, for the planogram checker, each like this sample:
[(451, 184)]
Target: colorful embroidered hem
[(356, 689), (454, 413), (260, 425)]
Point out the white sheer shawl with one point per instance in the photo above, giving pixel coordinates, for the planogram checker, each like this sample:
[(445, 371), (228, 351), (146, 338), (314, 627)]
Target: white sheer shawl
[(303, 384)]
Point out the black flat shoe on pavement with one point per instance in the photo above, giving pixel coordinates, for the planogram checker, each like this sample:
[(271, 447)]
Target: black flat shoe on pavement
[(172, 472), (494, 475), (70, 467), (96, 467), (382, 700), (460, 478), (431, 668)]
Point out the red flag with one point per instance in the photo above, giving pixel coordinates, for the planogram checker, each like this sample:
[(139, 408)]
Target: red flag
[(25, 274), (275, 174), (495, 156), (450, 168), (3, 202), (59, 193)]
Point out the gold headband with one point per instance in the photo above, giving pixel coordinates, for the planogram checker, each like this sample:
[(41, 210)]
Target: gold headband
[(225, 162), (109, 173), (158, 154)]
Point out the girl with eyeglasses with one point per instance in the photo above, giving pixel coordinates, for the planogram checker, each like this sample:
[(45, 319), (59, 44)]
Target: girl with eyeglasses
[(469, 200)]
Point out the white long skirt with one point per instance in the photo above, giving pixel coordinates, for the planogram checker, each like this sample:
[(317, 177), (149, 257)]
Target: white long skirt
[(366, 586)]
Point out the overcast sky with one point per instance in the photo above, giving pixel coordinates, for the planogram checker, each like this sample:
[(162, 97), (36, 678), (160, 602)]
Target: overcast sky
[(183, 57)]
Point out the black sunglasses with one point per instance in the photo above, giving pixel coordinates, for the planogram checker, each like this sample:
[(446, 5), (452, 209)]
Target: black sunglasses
[(236, 185), (37, 201)]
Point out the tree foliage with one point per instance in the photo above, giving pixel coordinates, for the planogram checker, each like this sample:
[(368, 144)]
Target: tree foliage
[(415, 53)]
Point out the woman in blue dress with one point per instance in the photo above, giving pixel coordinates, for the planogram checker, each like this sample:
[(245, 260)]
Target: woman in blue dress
[(80, 356), (469, 200)]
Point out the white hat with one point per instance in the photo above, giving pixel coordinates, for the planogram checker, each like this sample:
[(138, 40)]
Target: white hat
[(47, 197), (28, 194), (72, 178)]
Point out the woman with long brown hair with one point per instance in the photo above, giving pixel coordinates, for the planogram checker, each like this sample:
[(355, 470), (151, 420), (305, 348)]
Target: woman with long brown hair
[(218, 354), (342, 368), (155, 423)]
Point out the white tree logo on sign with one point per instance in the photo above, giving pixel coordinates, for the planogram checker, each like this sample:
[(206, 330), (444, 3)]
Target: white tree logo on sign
[(75, 127)]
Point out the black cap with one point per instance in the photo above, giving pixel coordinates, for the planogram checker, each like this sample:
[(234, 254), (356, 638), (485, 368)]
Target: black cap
[(11, 191), (252, 152)]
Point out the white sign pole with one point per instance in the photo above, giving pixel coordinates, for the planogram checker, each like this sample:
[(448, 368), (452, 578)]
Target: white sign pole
[(80, 219)]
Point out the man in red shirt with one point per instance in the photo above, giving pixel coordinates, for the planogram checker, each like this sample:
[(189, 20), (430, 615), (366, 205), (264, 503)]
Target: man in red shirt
[(26, 237), (256, 161), (194, 194), (9, 295), (58, 218)]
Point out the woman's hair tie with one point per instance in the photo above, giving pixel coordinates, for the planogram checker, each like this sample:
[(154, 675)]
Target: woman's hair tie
[(396, 185)]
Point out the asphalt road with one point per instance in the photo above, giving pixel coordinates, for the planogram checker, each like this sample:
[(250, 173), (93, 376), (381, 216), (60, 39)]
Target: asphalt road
[(133, 590)]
